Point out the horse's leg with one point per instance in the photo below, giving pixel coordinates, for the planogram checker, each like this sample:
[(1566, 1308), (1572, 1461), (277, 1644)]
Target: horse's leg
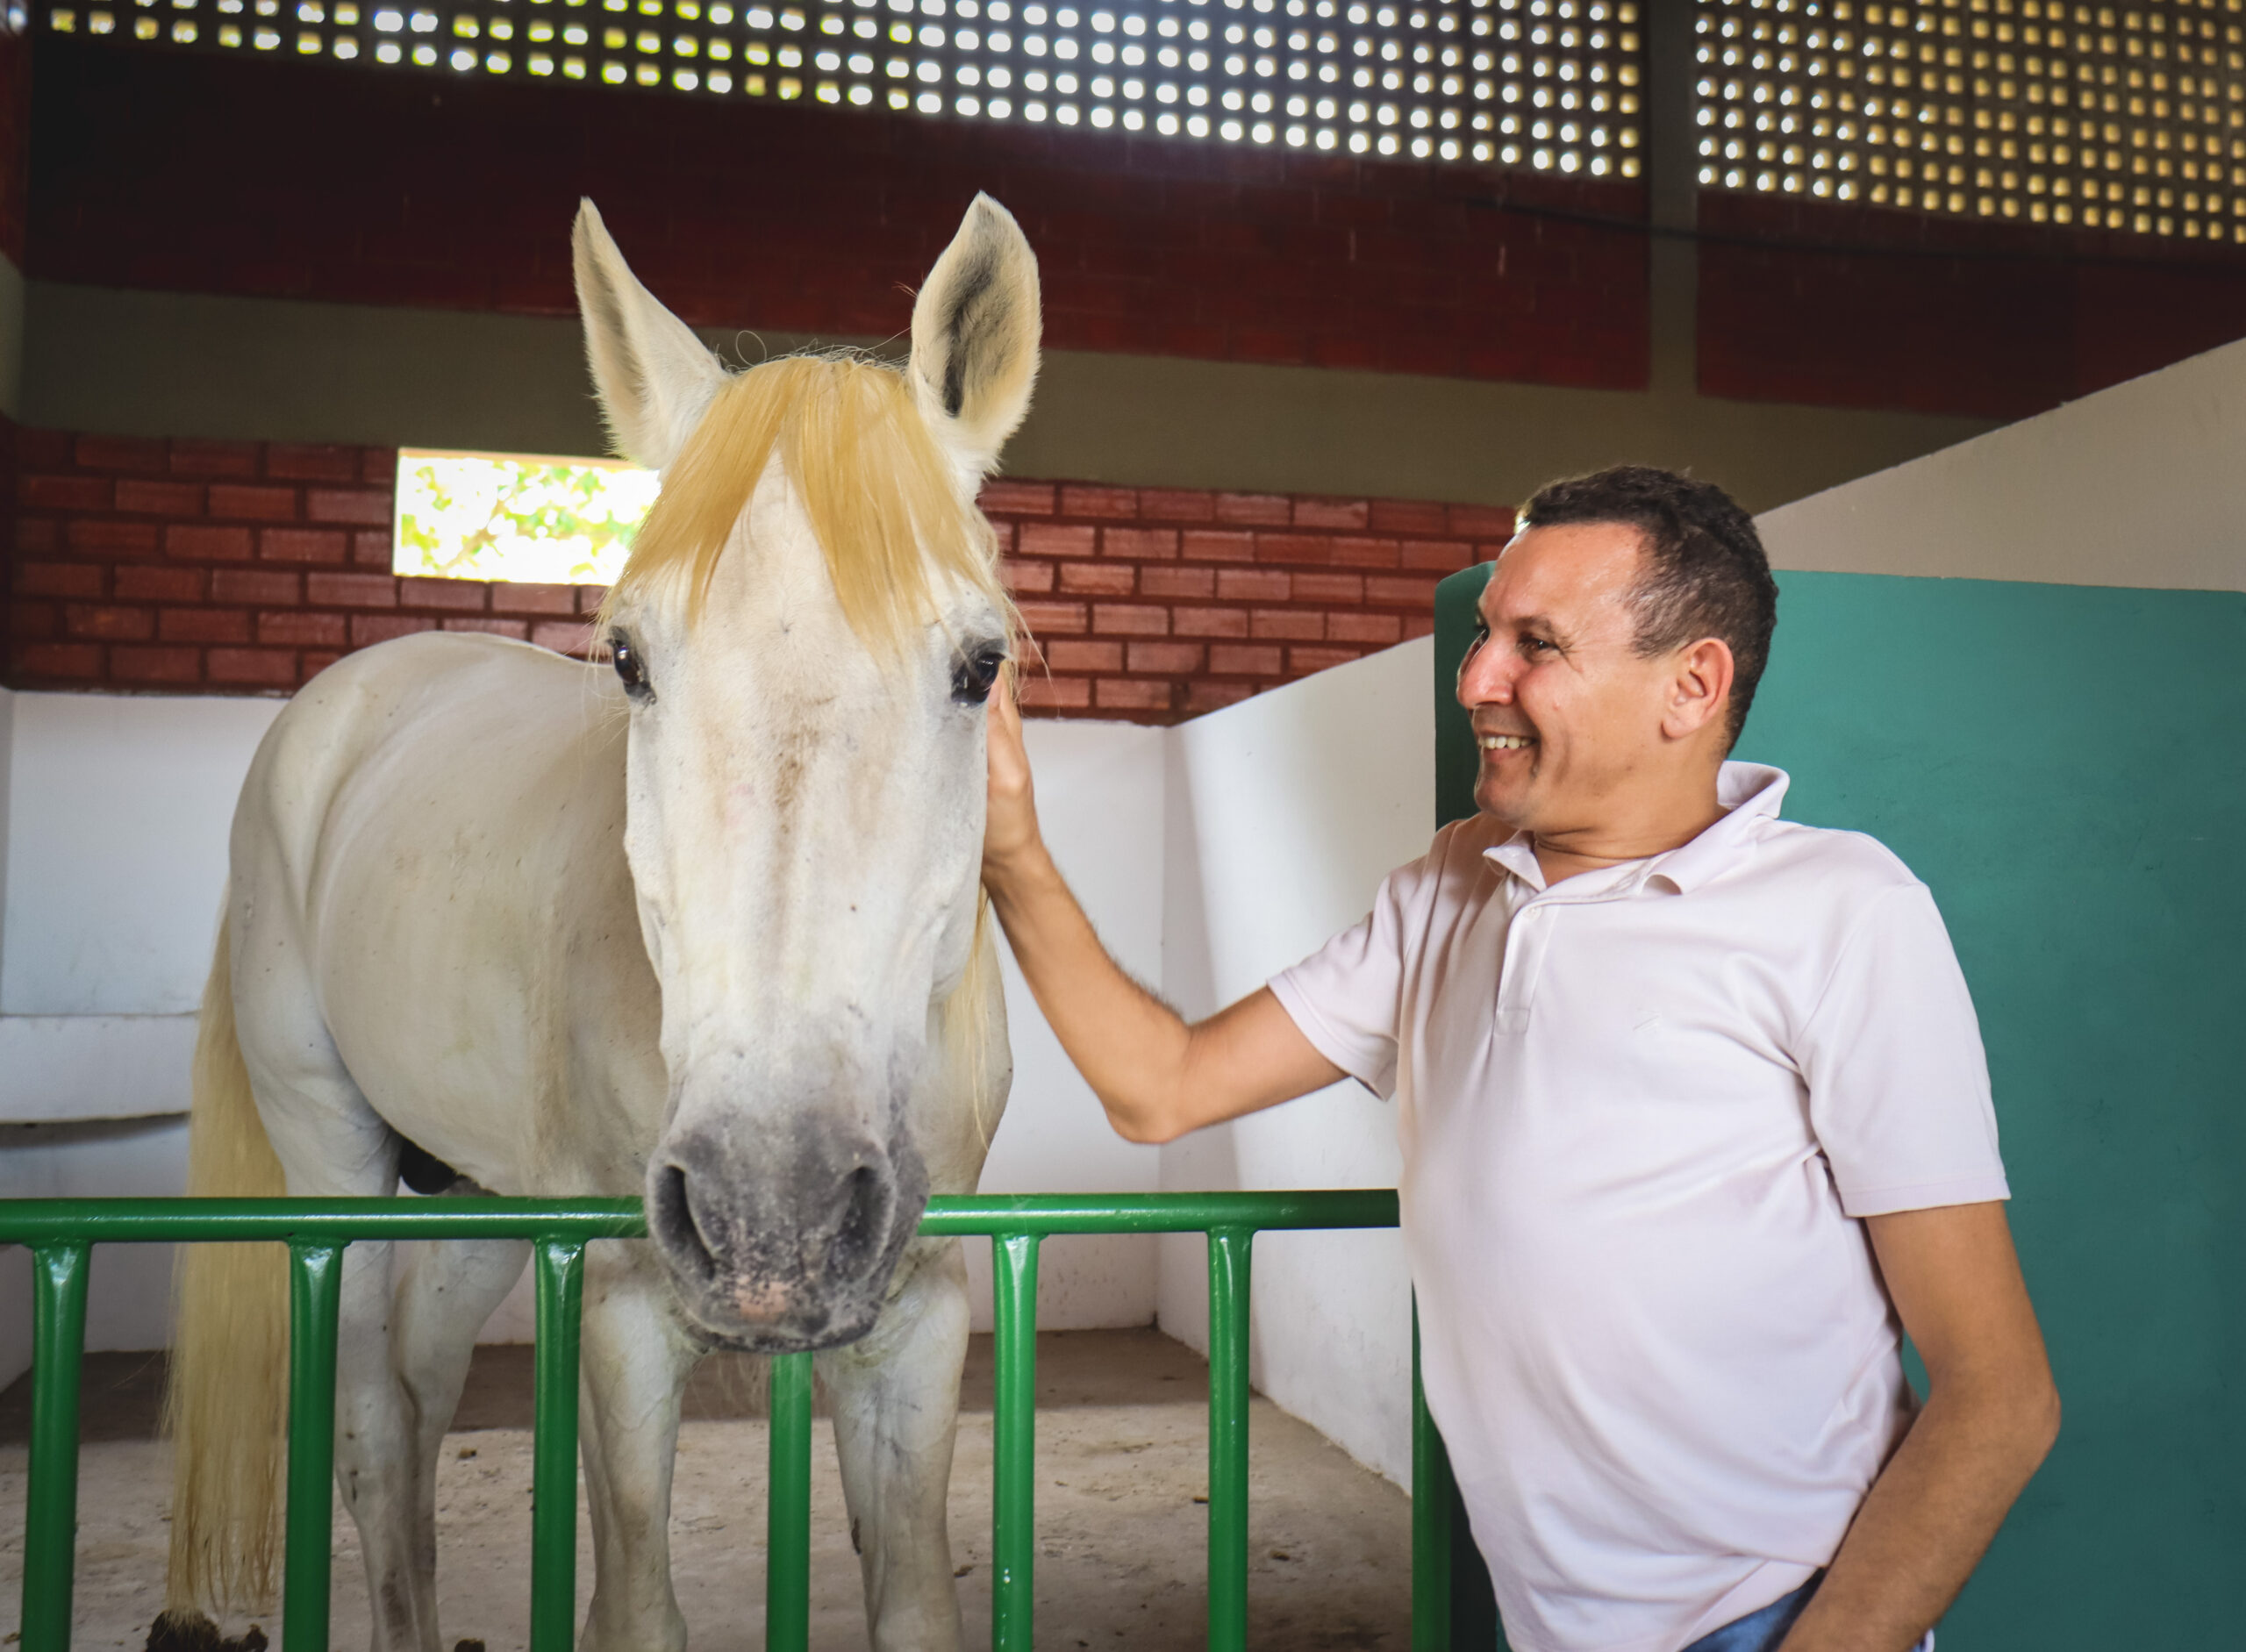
[(331, 1144), (335, 1150), (635, 1360), (446, 1291), (896, 1397)]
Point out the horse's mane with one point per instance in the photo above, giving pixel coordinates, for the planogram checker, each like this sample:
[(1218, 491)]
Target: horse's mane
[(878, 491)]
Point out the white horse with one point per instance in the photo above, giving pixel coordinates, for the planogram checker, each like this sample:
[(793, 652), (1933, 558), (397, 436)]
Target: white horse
[(702, 924)]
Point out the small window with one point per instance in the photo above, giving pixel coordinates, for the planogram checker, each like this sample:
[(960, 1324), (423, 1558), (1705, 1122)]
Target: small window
[(517, 517)]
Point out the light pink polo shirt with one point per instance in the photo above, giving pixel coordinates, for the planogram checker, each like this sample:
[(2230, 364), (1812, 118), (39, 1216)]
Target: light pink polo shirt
[(1640, 1113)]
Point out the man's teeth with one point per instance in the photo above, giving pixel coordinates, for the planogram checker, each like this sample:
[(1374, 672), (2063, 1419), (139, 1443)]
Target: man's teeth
[(1507, 742)]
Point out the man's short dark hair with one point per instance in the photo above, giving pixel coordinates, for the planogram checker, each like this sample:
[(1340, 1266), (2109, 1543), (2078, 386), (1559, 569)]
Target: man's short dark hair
[(1705, 574)]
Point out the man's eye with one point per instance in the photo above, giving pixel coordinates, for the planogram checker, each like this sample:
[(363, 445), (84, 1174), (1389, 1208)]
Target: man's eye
[(1530, 645)]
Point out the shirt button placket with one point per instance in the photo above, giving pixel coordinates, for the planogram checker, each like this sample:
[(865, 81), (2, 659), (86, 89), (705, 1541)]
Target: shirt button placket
[(1524, 963)]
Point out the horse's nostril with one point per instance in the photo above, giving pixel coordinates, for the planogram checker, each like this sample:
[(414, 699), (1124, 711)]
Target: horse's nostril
[(671, 1214), (865, 1221)]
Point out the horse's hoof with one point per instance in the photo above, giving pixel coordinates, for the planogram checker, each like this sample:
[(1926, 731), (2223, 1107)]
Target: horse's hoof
[(182, 1631), (191, 1632)]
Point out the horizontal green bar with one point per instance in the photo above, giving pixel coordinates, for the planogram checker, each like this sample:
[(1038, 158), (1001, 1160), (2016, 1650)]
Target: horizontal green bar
[(127, 1220), (1047, 1213), (44, 1221)]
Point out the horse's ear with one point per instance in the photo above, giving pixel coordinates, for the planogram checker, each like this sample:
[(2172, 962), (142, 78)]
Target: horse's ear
[(655, 378), (975, 331)]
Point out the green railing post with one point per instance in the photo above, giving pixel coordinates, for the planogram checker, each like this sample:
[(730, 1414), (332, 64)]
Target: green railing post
[(1430, 1519), (1228, 1276), (559, 1292), (787, 1524), (1014, 1427), (50, 1513), (315, 1298)]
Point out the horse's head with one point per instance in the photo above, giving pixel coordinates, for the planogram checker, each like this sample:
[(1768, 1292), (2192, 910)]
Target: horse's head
[(805, 635)]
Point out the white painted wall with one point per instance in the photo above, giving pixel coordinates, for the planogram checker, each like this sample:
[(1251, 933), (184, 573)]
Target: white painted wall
[(117, 850), (112, 857), (2137, 485)]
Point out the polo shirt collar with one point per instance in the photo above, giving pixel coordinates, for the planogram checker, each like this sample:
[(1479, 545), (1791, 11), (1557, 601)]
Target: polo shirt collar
[(1750, 794)]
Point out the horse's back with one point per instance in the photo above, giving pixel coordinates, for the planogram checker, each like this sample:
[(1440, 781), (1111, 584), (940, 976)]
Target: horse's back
[(397, 692)]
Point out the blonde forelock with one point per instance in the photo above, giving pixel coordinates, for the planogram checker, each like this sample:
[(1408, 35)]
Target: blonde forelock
[(876, 488)]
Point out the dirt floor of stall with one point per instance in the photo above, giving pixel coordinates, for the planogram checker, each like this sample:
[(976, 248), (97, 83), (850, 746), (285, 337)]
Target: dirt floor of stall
[(1122, 1469)]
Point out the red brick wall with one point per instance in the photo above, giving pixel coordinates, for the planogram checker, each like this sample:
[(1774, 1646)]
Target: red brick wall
[(1957, 317), (1154, 604), (244, 568), (286, 179)]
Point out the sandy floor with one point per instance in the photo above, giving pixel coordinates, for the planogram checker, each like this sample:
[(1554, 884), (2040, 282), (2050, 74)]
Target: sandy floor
[(1122, 1555)]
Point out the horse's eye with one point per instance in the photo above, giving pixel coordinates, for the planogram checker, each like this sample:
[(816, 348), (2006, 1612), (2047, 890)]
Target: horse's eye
[(629, 667), (972, 677)]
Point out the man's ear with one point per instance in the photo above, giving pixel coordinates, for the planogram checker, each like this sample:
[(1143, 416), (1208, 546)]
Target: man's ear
[(1698, 689), (974, 334), (655, 378)]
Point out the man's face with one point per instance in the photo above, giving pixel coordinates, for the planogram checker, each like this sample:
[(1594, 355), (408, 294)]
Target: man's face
[(1574, 712)]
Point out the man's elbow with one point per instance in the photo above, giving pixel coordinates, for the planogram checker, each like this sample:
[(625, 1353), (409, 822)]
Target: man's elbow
[(1144, 1127), (2024, 1413), (2013, 1409), (2040, 1420)]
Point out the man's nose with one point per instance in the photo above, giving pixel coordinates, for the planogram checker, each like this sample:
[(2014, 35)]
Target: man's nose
[(1483, 679)]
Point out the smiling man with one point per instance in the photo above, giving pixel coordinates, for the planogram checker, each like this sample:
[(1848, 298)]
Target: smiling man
[(1694, 1116)]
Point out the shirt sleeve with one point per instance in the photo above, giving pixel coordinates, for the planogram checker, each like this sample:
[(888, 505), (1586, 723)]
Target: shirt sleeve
[(1899, 1083), (1346, 997)]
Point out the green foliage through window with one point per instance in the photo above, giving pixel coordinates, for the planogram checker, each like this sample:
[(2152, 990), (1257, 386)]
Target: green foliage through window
[(517, 517)]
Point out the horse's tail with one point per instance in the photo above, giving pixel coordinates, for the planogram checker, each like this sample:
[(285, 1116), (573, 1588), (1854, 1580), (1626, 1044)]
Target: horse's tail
[(225, 1405)]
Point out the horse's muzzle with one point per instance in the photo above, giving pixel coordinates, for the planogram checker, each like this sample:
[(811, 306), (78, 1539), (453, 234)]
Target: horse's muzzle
[(782, 1240)]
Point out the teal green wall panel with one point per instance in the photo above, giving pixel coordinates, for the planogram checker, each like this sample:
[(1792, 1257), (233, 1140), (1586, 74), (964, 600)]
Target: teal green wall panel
[(2065, 767)]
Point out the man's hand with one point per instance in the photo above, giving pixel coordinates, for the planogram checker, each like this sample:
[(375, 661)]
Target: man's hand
[(1010, 835), (1991, 1415), (1156, 1076)]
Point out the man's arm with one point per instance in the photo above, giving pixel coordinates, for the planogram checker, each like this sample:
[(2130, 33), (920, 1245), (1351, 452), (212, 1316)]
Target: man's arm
[(1157, 1077), (1991, 1415)]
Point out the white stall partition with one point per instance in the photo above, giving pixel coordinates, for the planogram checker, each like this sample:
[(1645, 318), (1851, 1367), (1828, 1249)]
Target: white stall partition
[(1283, 814), (112, 839)]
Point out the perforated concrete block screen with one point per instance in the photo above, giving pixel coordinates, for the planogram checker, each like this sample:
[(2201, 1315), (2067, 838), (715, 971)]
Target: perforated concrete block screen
[(2117, 117), (1548, 85)]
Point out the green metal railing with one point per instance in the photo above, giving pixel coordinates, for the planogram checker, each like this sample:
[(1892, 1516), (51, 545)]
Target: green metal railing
[(61, 1232)]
